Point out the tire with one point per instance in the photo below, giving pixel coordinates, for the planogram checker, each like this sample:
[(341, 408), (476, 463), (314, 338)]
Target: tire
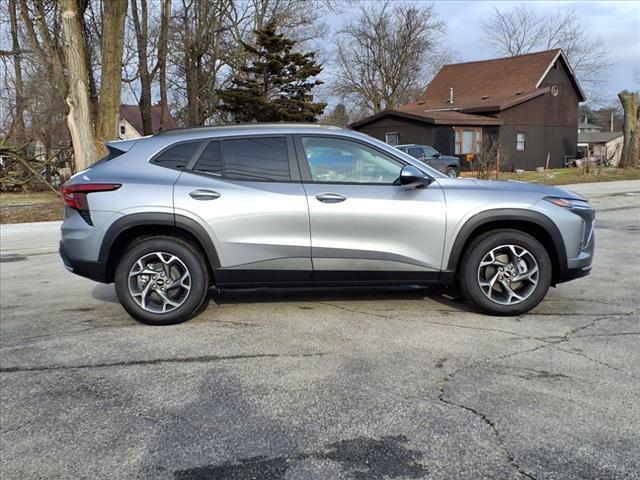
[(491, 251), (452, 172), (180, 271)]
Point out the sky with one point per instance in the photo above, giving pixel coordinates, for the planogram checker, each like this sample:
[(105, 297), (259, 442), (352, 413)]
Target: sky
[(616, 23)]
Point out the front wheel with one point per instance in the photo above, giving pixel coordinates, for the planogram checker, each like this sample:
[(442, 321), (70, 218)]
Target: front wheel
[(162, 281), (452, 172), (505, 272)]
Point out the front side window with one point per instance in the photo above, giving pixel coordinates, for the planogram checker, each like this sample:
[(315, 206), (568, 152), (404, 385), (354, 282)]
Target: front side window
[(430, 152), (256, 159), (334, 160), (177, 156), (521, 138), (392, 138)]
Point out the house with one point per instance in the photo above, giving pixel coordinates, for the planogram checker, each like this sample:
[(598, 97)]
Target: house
[(586, 127), (130, 123), (603, 146), (527, 103)]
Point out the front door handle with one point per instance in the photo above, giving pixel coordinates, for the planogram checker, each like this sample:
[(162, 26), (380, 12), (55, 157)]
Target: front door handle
[(204, 194), (330, 197)]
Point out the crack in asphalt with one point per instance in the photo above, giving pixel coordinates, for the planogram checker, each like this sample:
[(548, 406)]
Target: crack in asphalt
[(160, 361)]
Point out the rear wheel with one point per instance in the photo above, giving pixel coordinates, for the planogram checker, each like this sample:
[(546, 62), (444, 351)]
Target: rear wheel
[(505, 272), (162, 281), (452, 172)]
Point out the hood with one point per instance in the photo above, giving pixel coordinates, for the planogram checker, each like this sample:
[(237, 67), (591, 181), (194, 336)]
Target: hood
[(517, 186)]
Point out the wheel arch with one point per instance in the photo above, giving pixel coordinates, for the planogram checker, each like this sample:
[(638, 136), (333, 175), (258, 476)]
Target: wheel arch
[(123, 231), (541, 227)]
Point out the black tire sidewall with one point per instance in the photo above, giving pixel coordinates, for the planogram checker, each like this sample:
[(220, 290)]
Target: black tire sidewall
[(192, 260), (480, 247)]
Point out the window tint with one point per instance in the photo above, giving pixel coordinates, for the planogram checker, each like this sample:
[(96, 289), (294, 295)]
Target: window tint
[(334, 160), (256, 159), (415, 152), (210, 160), (177, 156)]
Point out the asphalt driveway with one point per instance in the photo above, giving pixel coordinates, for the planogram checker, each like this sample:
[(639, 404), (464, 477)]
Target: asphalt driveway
[(402, 383)]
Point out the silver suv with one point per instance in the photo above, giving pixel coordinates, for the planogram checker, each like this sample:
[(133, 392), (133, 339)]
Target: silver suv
[(166, 217)]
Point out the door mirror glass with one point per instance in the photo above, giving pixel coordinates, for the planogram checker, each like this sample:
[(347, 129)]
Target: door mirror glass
[(410, 176)]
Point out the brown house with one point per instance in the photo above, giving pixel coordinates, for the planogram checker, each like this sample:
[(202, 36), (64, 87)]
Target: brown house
[(528, 103)]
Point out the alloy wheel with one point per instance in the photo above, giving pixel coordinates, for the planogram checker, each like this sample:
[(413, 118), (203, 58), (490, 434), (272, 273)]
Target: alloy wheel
[(159, 282), (508, 274)]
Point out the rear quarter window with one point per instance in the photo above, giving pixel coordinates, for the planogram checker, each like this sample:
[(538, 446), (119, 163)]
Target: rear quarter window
[(177, 156)]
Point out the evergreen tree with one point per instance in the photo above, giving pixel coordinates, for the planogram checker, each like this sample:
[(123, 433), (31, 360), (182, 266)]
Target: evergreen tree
[(276, 83)]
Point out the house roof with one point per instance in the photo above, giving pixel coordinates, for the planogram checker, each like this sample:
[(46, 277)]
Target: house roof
[(131, 113), (481, 87), (589, 125), (438, 117), (496, 84), (598, 137)]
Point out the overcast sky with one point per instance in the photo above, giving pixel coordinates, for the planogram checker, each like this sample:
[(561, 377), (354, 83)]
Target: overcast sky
[(616, 23)]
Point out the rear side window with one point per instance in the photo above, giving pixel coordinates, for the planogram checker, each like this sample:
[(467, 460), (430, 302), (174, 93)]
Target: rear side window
[(177, 156), (210, 160), (261, 159), (416, 152)]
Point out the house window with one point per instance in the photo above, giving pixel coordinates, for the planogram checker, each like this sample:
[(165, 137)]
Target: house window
[(122, 130), (521, 138), (468, 140), (392, 138)]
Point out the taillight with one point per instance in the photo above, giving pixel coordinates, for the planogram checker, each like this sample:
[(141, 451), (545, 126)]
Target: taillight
[(75, 196)]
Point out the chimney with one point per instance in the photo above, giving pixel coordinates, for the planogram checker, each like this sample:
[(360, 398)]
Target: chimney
[(451, 95), (612, 121)]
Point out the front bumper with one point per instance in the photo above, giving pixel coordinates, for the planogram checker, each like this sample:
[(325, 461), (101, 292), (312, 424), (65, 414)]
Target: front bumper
[(95, 271)]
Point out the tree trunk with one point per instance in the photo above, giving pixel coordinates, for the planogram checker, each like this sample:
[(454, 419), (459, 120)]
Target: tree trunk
[(162, 63), (79, 116), (142, 41), (113, 16), (18, 122), (630, 156)]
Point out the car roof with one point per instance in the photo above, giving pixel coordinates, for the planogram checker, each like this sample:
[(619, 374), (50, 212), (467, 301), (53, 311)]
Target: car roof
[(249, 128)]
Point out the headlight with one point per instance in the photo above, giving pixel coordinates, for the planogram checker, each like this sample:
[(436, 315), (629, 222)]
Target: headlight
[(569, 203)]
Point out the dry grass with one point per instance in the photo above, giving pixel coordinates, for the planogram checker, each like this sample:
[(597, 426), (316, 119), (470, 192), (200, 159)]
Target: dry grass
[(565, 176), (30, 207)]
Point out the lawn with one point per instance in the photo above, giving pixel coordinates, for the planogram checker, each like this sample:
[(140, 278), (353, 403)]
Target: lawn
[(565, 176), (30, 207)]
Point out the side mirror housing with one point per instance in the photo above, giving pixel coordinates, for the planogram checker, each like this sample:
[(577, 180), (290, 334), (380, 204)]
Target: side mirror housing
[(411, 177), (437, 155)]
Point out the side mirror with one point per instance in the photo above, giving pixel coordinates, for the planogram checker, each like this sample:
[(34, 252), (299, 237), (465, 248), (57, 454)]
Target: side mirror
[(410, 176), (437, 155)]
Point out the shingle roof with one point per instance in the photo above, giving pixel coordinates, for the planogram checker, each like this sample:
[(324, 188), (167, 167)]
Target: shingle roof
[(433, 117), (598, 137), (131, 113), (492, 84), (484, 86)]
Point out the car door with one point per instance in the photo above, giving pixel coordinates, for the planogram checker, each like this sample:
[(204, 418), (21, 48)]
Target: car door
[(246, 192), (364, 225)]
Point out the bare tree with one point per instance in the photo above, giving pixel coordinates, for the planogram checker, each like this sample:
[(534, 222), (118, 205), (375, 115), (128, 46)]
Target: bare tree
[(79, 115), (163, 42), (523, 30), (18, 121), (385, 55), (630, 156), (113, 15)]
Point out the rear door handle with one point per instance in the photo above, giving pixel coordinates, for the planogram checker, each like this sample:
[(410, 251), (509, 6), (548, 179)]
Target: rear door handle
[(330, 197), (204, 194)]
